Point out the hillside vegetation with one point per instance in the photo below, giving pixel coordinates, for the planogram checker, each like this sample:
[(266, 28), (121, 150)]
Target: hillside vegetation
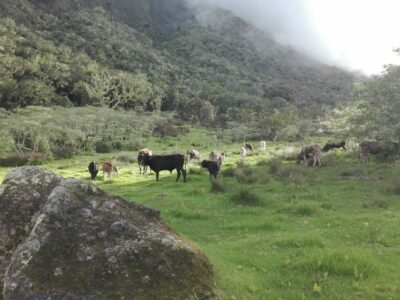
[(201, 62)]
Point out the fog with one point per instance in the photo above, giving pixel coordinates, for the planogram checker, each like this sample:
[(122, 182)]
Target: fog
[(355, 34)]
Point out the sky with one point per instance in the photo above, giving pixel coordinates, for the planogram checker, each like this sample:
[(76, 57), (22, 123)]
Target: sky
[(359, 35)]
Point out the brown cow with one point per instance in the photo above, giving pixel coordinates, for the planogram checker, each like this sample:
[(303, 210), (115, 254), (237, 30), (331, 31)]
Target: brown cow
[(249, 147), (386, 148), (108, 169), (313, 151), (193, 154), (216, 156), (140, 159)]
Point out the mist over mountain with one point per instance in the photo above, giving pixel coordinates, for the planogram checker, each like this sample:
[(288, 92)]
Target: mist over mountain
[(196, 59)]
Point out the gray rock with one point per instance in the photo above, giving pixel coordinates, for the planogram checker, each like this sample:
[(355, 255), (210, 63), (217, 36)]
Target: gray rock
[(85, 244), (23, 194)]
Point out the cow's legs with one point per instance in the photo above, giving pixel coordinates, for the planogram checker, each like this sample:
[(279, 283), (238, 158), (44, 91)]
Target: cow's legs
[(140, 168), (157, 175), (184, 175), (179, 174)]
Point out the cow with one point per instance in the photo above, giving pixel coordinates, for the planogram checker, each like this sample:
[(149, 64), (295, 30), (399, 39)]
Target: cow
[(141, 154), (108, 169), (217, 157), (332, 145), (93, 169), (382, 147), (193, 154), (159, 163), (212, 167), (249, 147), (263, 146), (243, 153), (313, 151)]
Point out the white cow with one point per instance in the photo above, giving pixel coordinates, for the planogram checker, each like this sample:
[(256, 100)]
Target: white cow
[(263, 146), (243, 153)]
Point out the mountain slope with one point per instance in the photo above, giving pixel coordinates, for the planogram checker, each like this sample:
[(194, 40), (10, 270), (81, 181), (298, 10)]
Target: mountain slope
[(158, 54)]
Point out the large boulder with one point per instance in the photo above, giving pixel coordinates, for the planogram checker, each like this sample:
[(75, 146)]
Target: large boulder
[(23, 194), (85, 244)]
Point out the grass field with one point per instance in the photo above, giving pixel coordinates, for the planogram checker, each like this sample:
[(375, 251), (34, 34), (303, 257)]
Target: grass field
[(279, 230)]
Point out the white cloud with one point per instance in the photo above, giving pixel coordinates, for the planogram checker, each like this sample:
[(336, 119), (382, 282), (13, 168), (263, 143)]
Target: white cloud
[(357, 34)]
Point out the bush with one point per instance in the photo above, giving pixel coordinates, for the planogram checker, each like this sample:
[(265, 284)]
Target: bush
[(263, 162), (217, 186), (246, 197), (394, 187), (229, 172), (13, 161), (275, 166), (126, 158), (352, 172), (297, 178), (65, 151), (245, 175), (103, 147)]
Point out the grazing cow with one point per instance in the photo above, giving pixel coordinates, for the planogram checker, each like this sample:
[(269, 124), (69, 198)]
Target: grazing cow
[(212, 167), (313, 151), (263, 146), (159, 163), (193, 154), (332, 145), (217, 157), (382, 147), (108, 169), (93, 169), (243, 153), (140, 159), (249, 147)]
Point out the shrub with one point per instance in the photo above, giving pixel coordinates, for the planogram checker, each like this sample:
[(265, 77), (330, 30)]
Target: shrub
[(245, 175), (394, 187), (351, 172), (13, 161), (126, 158), (217, 186), (263, 162), (263, 178), (64, 151), (246, 197), (103, 147), (296, 177), (275, 166), (228, 172)]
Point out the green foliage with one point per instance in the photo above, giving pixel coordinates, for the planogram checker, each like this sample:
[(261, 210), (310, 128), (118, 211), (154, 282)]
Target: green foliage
[(245, 196), (275, 166), (217, 186), (64, 132)]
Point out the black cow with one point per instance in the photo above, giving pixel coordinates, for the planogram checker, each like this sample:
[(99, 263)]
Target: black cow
[(212, 167), (332, 145), (159, 163), (93, 169)]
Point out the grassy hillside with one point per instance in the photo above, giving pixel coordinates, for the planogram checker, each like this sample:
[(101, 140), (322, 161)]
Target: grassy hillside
[(297, 233), (202, 62)]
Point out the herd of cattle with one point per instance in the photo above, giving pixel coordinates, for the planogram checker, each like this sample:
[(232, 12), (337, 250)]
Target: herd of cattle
[(158, 163)]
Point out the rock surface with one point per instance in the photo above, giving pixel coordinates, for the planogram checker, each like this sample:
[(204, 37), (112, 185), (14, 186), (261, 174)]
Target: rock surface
[(67, 239)]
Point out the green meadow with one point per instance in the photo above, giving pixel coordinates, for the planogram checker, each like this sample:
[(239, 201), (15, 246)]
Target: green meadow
[(271, 228)]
